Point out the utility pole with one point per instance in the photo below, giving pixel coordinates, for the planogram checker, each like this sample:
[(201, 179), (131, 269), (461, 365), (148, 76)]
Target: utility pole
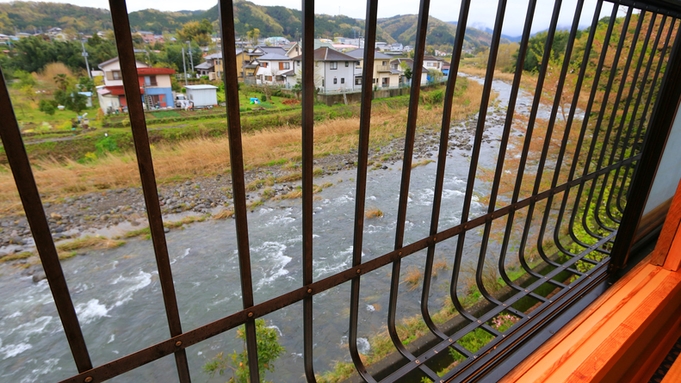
[(85, 54), (191, 59), (184, 66)]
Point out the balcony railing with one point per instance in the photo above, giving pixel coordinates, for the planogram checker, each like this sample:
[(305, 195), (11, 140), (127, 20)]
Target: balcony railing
[(560, 200)]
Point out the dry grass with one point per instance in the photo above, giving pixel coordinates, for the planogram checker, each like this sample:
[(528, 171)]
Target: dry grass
[(16, 257), (184, 160), (294, 194), (412, 278), (373, 212), (438, 266), (90, 243), (184, 221), (143, 232), (224, 214), (421, 163)]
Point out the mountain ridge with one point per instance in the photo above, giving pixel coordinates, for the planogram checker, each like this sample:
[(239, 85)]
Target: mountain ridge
[(270, 20)]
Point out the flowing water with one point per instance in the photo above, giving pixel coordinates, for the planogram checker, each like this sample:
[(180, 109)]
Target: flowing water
[(118, 297)]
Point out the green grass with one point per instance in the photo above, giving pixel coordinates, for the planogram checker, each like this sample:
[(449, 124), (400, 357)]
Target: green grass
[(165, 114)]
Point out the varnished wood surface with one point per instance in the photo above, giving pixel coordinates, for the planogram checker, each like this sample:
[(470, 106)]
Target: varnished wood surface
[(606, 340), (669, 232)]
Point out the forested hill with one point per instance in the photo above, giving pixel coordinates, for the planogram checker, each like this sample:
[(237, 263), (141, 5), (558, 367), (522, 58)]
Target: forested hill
[(270, 20)]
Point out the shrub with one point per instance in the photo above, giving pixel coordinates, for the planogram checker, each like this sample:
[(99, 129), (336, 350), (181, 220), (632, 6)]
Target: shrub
[(105, 145), (46, 106), (269, 350)]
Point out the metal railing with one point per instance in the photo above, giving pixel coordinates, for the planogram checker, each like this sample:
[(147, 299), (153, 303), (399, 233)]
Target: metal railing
[(574, 199)]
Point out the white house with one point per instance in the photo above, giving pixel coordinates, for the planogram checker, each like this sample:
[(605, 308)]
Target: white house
[(432, 62), (334, 71), (271, 68)]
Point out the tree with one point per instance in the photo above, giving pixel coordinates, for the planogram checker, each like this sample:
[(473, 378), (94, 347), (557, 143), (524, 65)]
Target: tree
[(407, 71), (100, 50), (199, 32), (435, 76), (62, 82), (269, 350), (253, 35)]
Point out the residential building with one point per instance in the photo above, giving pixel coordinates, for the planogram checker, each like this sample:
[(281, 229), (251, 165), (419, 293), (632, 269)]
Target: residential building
[(383, 75), (401, 64), (155, 86), (212, 66), (292, 49), (261, 50), (433, 63), (334, 71), (4, 39), (150, 37), (271, 68)]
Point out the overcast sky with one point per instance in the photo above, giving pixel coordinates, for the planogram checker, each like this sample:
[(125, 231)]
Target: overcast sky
[(482, 11)]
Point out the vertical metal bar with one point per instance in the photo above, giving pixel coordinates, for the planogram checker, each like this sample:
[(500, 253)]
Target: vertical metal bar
[(660, 125), (548, 137), (119, 18), (510, 116), (308, 178), (568, 129), (475, 155), (40, 229), (605, 139), (611, 205), (226, 9), (651, 93), (421, 31), (442, 164), (530, 128), (362, 170), (613, 112), (585, 128), (620, 131)]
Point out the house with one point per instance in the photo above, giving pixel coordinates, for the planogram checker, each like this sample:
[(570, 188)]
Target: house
[(292, 49), (433, 63), (212, 67), (155, 86), (401, 64), (150, 37), (4, 39), (263, 50), (384, 76), (445, 69), (334, 71), (271, 67)]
